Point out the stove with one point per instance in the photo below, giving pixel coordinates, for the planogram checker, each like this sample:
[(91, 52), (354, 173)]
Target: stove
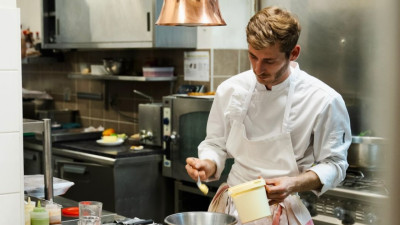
[(358, 200)]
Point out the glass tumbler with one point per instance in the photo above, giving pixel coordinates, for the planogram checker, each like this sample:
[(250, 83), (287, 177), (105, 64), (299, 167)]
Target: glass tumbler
[(90, 213)]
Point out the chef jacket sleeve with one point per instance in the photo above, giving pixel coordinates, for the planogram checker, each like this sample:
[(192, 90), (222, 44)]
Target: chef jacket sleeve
[(332, 138), (214, 145)]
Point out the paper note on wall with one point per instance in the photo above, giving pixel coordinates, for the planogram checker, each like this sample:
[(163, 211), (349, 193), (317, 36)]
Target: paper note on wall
[(197, 66)]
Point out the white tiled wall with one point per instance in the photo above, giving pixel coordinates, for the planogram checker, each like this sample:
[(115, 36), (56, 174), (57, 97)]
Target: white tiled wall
[(10, 100), (10, 37), (9, 210), (11, 157), (10, 171), (8, 3)]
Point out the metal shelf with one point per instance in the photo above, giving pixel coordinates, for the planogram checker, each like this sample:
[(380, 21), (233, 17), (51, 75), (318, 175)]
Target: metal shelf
[(122, 78), (33, 126), (38, 60)]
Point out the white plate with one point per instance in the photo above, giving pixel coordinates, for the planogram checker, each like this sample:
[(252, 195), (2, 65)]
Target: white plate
[(118, 142)]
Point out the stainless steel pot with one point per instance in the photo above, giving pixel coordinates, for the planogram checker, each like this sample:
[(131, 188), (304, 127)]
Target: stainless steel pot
[(367, 153)]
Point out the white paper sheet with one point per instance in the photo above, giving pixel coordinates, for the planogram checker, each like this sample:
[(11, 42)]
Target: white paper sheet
[(197, 66)]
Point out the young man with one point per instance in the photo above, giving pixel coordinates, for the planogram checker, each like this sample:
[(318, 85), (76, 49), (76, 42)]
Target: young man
[(277, 122)]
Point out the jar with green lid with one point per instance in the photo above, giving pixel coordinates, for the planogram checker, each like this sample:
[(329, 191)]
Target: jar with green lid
[(39, 216)]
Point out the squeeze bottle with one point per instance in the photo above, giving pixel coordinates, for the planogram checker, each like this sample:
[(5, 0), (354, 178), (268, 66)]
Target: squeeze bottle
[(28, 209), (39, 216), (54, 213)]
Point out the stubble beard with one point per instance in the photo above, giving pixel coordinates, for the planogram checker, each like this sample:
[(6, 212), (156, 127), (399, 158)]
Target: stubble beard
[(278, 74)]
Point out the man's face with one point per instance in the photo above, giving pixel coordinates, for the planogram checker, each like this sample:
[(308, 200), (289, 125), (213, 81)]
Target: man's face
[(269, 64)]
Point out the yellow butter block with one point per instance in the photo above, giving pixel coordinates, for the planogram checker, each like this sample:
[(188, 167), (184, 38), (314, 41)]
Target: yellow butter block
[(203, 188), (110, 138)]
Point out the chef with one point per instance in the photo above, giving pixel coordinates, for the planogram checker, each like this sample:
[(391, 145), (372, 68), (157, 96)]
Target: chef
[(277, 122)]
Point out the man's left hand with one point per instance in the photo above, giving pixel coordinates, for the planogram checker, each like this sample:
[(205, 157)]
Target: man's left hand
[(279, 188)]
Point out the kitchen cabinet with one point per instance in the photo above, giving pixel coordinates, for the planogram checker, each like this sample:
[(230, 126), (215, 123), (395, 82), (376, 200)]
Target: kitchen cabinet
[(110, 24)]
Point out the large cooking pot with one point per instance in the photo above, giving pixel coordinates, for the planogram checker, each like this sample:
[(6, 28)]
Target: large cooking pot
[(200, 218), (367, 153)]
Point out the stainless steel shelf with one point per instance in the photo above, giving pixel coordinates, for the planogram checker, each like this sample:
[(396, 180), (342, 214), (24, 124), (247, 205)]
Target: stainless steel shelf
[(33, 126), (38, 60), (122, 78)]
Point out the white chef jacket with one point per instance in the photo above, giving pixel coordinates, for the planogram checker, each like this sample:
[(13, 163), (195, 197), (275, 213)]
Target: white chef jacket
[(319, 127)]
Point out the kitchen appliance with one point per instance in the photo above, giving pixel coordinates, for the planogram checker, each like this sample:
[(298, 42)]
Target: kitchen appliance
[(184, 127), (358, 200), (150, 125), (367, 153)]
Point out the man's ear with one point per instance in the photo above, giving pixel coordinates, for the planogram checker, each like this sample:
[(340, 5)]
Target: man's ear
[(295, 53)]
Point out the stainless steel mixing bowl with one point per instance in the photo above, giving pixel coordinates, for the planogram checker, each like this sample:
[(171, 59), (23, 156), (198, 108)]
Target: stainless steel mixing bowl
[(200, 218), (115, 66)]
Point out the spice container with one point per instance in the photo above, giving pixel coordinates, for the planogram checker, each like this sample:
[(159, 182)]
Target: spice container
[(54, 213), (39, 216)]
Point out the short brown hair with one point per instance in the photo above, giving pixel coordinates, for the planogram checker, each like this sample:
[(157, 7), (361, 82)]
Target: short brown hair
[(273, 25)]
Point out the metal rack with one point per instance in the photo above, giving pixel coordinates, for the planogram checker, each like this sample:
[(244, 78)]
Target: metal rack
[(35, 126)]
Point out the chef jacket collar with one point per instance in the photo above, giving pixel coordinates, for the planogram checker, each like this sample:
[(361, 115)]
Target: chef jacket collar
[(294, 66)]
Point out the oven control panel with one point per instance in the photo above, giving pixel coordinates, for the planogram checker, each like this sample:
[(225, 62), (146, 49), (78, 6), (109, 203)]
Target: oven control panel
[(345, 210)]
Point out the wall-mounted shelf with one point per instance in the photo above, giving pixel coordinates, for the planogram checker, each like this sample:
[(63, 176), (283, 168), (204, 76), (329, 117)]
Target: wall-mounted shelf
[(122, 78)]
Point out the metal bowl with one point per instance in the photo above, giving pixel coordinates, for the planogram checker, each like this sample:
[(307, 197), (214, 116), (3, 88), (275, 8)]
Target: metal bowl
[(115, 66), (203, 218)]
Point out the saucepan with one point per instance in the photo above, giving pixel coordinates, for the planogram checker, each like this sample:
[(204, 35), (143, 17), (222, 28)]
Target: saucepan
[(203, 218), (367, 153)]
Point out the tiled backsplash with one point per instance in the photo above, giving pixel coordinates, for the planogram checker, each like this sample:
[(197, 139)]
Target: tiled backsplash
[(53, 78)]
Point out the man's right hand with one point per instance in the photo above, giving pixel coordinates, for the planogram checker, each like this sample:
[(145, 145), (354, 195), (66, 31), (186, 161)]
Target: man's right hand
[(204, 168)]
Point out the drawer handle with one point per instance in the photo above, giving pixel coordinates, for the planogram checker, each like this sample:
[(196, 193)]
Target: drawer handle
[(74, 169)]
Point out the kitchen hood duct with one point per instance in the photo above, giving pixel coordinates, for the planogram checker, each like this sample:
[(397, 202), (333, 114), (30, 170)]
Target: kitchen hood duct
[(190, 13)]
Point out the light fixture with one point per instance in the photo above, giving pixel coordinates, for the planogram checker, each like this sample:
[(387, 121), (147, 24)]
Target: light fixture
[(190, 13)]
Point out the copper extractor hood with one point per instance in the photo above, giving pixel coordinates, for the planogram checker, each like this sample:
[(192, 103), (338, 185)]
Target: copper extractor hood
[(190, 13)]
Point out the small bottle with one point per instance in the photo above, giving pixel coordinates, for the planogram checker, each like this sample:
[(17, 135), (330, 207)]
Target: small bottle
[(28, 209), (39, 216), (54, 213)]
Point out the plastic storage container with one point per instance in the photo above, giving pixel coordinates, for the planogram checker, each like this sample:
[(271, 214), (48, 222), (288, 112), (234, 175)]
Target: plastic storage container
[(250, 200), (158, 71), (39, 216), (28, 209), (54, 213)]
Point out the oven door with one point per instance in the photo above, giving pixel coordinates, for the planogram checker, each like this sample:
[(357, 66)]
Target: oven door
[(189, 123)]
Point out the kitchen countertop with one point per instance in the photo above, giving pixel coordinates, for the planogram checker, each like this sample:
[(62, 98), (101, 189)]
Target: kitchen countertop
[(68, 220), (91, 147)]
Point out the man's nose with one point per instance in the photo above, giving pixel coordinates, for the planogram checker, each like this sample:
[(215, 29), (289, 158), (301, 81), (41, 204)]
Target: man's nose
[(259, 68)]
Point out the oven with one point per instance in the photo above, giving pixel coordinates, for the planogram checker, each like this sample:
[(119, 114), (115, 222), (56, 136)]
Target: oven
[(184, 127), (358, 200)]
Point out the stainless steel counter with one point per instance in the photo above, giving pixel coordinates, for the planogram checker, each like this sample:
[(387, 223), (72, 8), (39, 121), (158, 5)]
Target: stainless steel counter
[(68, 220)]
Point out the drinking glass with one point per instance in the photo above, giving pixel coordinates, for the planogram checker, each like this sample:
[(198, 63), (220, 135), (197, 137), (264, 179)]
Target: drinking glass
[(90, 213)]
